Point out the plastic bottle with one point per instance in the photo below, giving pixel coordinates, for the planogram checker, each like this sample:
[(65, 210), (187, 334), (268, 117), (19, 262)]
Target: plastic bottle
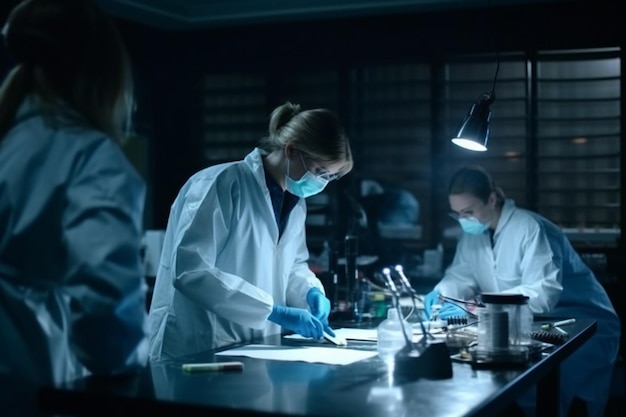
[(390, 336)]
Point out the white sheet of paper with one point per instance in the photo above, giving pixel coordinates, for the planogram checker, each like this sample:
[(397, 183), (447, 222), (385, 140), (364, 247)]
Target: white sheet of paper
[(348, 334), (368, 335), (357, 334), (371, 335), (327, 355)]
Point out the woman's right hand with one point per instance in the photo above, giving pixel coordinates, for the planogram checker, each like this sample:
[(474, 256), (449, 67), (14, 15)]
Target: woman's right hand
[(430, 299)]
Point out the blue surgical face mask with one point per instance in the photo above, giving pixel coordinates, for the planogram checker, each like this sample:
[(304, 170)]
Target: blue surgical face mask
[(472, 226), (306, 186)]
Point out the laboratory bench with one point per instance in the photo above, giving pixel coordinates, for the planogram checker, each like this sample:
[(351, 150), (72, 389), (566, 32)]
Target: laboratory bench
[(364, 388)]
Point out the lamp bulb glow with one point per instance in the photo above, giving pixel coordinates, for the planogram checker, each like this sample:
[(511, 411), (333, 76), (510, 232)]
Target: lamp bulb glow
[(469, 144)]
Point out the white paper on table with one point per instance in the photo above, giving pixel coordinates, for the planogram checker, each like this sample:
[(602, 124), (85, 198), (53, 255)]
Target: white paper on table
[(327, 355), (348, 334), (371, 335), (368, 335), (357, 334)]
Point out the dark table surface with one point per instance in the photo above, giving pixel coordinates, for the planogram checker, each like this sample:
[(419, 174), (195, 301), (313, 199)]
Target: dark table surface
[(364, 388)]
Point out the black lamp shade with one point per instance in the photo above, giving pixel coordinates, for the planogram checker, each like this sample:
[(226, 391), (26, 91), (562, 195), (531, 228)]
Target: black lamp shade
[(473, 132)]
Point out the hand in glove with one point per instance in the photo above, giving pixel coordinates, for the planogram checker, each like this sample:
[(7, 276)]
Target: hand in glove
[(319, 305), (297, 320), (451, 310), (429, 300)]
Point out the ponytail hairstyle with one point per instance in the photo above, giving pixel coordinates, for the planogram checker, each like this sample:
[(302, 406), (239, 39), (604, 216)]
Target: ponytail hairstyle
[(317, 132), (475, 180), (71, 59)]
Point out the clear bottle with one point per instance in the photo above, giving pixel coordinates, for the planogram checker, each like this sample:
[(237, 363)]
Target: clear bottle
[(390, 336)]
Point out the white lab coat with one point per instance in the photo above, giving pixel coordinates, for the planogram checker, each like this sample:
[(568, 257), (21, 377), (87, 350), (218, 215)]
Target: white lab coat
[(223, 265), (72, 293), (531, 256)]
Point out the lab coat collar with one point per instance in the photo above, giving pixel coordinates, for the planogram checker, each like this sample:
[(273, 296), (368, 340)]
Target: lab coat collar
[(27, 109), (507, 212), (31, 107), (254, 160)]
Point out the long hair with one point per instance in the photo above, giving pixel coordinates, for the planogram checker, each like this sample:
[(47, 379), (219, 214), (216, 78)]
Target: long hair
[(316, 132), (71, 59)]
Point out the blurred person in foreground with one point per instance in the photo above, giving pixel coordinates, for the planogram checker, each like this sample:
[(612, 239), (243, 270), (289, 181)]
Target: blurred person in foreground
[(72, 292)]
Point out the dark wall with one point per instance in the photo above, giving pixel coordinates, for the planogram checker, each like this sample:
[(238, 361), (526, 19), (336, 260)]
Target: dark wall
[(168, 65), (167, 114)]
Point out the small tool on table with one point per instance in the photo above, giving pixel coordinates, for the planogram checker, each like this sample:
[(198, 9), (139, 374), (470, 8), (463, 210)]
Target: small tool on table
[(557, 325), (335, 340), (213, 367)]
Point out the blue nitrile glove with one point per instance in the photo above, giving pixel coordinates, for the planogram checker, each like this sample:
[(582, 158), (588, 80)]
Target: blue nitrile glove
[(429, 300), (319, 304), (451, 310), (320, 307), (297, 320)]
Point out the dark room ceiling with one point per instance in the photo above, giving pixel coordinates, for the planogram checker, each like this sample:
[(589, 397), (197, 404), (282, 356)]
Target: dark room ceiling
[(205, 14)]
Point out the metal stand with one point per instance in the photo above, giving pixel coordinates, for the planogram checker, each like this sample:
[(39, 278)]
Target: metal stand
[(424, 359), (353, 285)]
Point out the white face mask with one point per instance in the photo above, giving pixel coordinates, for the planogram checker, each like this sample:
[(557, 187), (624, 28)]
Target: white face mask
[(473, 226), (306, 186)]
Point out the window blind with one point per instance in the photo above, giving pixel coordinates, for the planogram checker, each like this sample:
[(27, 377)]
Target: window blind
[(578, 140)]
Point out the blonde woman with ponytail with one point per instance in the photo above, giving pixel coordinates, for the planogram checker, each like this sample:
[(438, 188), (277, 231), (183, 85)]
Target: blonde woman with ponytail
[(234, 262)]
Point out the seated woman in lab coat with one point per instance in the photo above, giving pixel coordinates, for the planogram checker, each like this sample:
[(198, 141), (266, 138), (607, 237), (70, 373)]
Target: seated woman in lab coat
[(234, 260), (511, 250), (72, 293)]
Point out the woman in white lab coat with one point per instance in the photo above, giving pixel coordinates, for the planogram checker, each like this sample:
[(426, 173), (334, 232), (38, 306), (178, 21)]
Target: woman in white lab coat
[(507, 249), (72, 295), (234, 260)]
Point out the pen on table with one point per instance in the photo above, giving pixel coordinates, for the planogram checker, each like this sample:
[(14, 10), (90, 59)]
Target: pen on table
[(213, 367), (558, 323)]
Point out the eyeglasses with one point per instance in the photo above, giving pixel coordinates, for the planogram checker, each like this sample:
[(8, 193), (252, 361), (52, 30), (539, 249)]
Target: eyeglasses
[(469, 212), (320, 172)]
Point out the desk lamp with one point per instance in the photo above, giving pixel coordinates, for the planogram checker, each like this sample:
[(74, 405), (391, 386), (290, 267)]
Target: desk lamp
[(473, 132)]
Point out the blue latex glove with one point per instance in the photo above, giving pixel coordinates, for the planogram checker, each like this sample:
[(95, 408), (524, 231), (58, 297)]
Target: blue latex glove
[(297, 320), (451, 310), (319, 304), (430, 299), (320, 308)]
